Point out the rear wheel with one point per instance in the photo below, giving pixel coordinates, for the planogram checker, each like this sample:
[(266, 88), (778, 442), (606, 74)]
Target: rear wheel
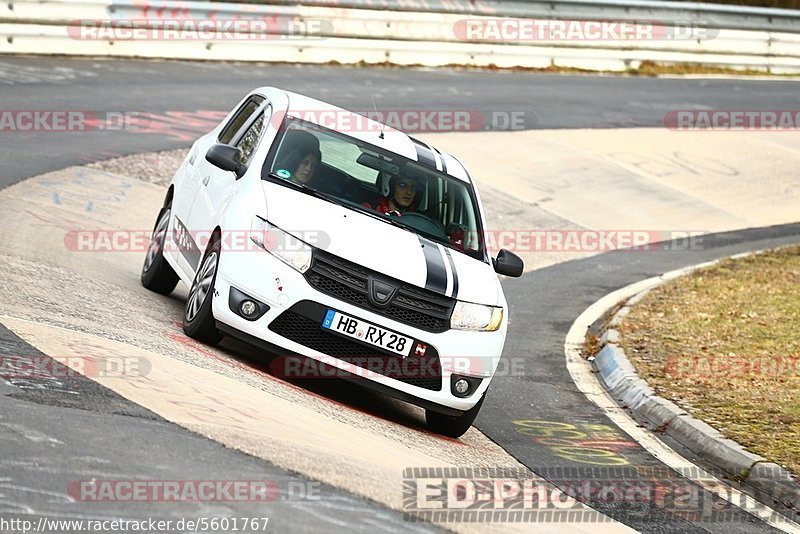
[(198, 319), (157, 274), (450, 425)]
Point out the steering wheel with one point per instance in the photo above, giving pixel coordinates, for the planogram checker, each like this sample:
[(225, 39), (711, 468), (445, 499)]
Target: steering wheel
[(424, 223)]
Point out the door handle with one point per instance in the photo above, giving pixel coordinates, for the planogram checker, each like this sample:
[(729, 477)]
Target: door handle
[(206, 179)]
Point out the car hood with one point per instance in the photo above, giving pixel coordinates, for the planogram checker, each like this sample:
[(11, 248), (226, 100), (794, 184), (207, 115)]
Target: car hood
[(379, 246)]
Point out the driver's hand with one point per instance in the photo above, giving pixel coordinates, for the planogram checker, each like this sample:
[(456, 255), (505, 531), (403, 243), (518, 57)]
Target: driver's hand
[(395, 213)]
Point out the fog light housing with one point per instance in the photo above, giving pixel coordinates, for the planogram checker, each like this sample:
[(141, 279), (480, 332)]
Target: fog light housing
[(248, 308), (464, 386)]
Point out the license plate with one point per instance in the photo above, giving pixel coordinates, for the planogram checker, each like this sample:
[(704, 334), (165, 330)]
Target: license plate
[(367, 332)]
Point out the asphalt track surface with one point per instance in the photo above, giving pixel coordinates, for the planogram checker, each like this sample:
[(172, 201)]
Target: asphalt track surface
[(53, 436), (157, 449), (548, 101)]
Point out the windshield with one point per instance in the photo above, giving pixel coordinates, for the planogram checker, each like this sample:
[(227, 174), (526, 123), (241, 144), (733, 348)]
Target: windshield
[(366, 178)]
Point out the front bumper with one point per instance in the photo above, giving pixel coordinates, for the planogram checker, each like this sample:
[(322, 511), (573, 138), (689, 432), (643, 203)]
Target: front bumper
[(291, 328)]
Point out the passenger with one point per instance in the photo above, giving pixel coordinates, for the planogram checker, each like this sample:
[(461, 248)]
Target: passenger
[(399, 198), (302, 159)]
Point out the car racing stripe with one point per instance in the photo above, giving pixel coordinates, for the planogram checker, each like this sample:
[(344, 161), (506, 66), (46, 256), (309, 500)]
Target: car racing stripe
[(441, 157), (437, 158), (424, 154), (454, 294), (448, 270), (436, 279)]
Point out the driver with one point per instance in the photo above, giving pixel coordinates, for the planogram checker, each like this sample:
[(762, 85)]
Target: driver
[(400, 199)]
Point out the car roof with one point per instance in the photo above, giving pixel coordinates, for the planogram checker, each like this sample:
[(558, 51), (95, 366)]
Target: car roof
[(368, 130)]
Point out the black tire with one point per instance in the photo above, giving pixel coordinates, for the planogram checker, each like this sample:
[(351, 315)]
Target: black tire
[(198, 318), (157, 274), (450, 425)]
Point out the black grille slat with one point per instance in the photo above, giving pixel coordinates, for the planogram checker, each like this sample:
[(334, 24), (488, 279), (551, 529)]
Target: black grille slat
[(347, 281), (342, 276), (337, 289), (402, 299), (421, 372)]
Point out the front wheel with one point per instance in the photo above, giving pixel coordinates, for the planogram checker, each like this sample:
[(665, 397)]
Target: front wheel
[(198, 319), (453, 426), (157, 274)]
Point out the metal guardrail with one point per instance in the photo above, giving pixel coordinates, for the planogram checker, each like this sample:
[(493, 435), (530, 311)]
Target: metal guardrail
[(382, 35), (713, 15)]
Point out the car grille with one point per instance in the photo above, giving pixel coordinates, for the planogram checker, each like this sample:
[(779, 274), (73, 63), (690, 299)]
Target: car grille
[(294, 324), (411, 305)]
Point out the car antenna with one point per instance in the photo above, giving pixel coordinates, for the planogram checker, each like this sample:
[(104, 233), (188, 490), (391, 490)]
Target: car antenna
[(372, 95)]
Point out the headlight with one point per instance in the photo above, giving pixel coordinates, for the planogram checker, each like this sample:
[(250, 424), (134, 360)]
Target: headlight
[(469, 316), (282, 245)]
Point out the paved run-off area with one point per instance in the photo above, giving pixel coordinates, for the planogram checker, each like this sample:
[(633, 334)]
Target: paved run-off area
[(91, 303)]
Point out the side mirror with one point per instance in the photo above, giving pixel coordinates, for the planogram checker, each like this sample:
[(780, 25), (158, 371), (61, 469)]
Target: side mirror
[(508, 264), (226, 157)]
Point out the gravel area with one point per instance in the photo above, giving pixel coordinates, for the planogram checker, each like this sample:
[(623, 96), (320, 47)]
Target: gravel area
[(152, 167)]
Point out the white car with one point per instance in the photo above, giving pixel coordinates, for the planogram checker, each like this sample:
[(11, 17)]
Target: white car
[(334, 240)]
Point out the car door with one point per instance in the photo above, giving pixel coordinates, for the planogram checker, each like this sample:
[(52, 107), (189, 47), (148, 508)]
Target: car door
[(217, 186), (186, 252)]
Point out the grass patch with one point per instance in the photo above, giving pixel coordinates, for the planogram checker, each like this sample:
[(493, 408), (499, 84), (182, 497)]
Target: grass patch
[(591, 346), (724, 344)]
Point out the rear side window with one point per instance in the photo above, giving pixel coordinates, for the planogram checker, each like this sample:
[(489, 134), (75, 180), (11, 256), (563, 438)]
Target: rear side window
[(249, 141), (239, 119)]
